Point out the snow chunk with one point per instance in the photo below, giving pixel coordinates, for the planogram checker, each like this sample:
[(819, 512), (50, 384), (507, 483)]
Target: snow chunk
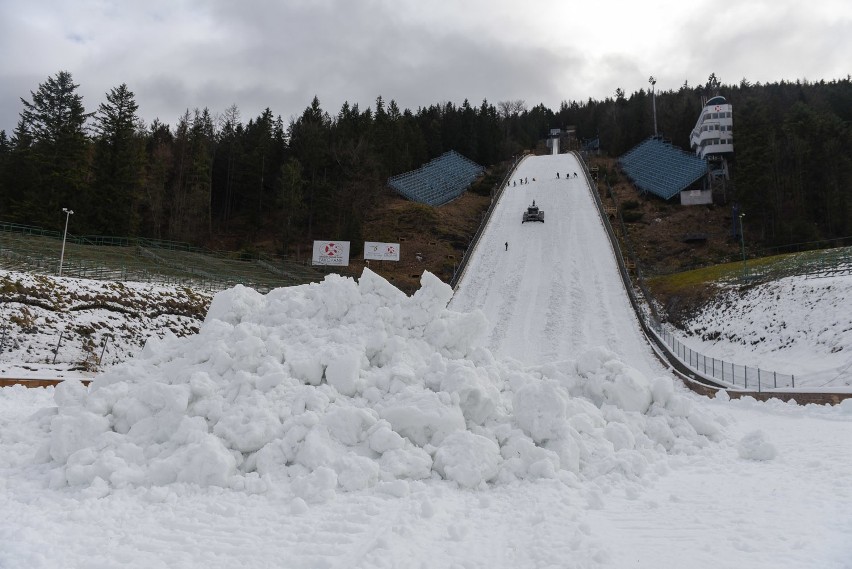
[(754, 446), (343, 371), (540, 410), (478, 397), (468, 459), (423, 417)]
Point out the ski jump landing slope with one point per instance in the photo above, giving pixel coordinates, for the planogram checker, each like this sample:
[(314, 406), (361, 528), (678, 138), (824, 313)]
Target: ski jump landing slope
[(555, 292)]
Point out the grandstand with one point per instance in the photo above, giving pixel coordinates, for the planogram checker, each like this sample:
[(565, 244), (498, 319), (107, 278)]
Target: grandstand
[(655, 166), (437, 182), (32, 249)]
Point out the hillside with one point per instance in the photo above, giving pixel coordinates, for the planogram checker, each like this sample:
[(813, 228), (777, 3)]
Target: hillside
[(666, 236), (53, 327), (431, 239)]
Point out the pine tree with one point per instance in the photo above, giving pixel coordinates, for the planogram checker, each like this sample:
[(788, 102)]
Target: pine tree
[(309, 143), (5, 189), (290, 200), (54, 122), (157, 180), (114, 204), (225, 165)]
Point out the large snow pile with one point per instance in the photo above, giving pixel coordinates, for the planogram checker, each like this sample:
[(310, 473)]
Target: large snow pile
[(349, 385), (795, 325)]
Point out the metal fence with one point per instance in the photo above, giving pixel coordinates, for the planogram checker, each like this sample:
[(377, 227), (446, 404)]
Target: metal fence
[(125, 259), (753, 378)]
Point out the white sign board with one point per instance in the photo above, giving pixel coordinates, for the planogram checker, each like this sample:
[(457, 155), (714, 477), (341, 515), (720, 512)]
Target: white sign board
[(696, 197), (381, 251), (334, 253)]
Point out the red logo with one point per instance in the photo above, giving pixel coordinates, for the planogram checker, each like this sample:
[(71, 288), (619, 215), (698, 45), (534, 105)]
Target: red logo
[(332, 249)]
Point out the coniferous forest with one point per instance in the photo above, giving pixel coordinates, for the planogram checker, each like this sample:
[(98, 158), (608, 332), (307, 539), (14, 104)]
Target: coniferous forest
[(215, 173)]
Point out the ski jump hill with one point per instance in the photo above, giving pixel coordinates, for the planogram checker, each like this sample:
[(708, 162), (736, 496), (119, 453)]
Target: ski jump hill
[(551, 290)]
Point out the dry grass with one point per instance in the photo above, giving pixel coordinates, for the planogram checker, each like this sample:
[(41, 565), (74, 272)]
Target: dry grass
[(431, 239)]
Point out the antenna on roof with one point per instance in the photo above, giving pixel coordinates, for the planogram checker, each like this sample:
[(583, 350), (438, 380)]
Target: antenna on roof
[(653, 82)]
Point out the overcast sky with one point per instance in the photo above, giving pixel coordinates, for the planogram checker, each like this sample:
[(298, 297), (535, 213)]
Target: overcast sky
[(179, 54)]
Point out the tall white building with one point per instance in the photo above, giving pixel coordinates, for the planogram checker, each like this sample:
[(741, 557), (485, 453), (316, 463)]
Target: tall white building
[(714, 131), (713, 138)]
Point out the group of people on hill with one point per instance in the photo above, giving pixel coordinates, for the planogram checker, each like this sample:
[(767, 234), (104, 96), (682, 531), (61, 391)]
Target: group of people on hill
[(523, 181)]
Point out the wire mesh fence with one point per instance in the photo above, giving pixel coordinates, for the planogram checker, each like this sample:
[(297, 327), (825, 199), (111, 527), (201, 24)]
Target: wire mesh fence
[(729, 373), (108, 258)]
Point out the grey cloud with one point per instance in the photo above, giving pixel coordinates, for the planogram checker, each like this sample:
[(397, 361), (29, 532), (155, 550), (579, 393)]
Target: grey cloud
[(785, 42), (279, 54)]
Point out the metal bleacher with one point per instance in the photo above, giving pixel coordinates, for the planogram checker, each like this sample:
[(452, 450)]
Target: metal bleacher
[(438, 181), (656, 166)]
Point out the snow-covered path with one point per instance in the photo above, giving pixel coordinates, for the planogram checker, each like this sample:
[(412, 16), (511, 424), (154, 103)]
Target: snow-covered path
[(555, 292)]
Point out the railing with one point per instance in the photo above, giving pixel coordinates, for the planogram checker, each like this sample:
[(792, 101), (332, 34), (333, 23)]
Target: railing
[(28, 230), (813, 263), (721, 370), (21, 248)]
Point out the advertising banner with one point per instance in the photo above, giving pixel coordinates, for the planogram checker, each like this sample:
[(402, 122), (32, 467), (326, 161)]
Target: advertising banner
[(334, 253), (381, 251)]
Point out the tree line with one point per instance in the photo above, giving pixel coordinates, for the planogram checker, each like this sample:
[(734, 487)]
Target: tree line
[(319, 175)]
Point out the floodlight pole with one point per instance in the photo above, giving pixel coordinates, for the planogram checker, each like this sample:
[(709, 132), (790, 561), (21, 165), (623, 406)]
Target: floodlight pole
[(742, 242), (653, 82), (68, 214)]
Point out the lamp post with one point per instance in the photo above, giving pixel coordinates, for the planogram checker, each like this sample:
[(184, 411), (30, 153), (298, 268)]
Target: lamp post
[(742, 242), (68, 214), (653, 82)]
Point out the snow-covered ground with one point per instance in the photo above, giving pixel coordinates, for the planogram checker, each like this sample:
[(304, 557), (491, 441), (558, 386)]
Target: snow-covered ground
[(64, 327), (345, 424), (796, 325)]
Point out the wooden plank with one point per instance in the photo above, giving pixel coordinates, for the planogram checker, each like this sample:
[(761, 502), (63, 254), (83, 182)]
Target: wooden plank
[(9, 381)]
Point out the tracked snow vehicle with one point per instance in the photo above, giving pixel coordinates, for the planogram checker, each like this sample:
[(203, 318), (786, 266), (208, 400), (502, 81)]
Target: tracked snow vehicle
[(533, 214)]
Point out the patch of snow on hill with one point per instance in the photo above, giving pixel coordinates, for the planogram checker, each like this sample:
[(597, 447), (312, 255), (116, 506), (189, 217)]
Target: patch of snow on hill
[(65, 327), (796, 325)]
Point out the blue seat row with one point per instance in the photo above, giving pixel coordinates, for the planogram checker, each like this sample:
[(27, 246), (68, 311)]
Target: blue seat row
[(438, 181), (656, 166)]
